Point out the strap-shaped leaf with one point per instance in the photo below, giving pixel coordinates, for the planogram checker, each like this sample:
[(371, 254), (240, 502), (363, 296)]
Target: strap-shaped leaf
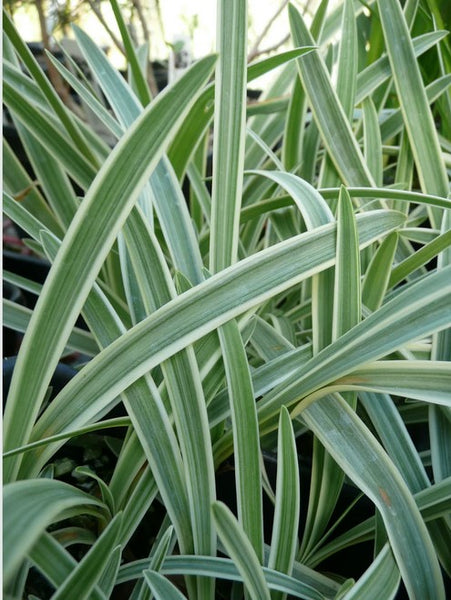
[(228, 165), (88, 241), (385, 330), (346, 80), (347, 303), (420, 258), (200, 310), (245, 434), (286, 515), (55, 562), (240, 550), (363, 459), (89, 570), (47, 89), (305, 583), (17, 181), (372, 141), (44, 129), (429, 381), (29, 507), (381, 579), (413, 100), (329, 116), (161, 587), (229, 133), (182, 378), (432, 501), (150, 419), (132, 56), (377, 275), (166, 194), (375, 74)]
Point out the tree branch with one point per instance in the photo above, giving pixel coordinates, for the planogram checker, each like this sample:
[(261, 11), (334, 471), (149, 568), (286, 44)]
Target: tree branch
[(98, 13), (255, 49)]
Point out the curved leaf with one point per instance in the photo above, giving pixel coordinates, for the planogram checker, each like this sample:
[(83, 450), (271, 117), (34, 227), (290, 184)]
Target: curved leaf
[(29, 507)]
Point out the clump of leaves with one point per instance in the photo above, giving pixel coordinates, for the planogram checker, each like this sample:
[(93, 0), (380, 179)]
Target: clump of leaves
[(298, 305)]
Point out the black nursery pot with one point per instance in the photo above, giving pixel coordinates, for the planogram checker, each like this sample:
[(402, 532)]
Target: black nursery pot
[(32, 268), (62, 375), (11, 339)]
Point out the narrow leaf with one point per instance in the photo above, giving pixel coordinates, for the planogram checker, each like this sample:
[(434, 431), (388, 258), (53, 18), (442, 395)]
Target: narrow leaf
[(241, 551), (87, 573), (286, 516), (412, 97), (29, 507), (92, 234), (329, 115), (161, 587)]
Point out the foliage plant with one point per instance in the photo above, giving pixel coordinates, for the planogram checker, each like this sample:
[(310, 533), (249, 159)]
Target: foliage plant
[(291, 301)]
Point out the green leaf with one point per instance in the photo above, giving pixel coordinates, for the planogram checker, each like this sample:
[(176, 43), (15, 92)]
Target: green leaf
[(89, 570), (55, 562), (240, 550), (107, 496), (150, 419), (363, 459), (389, 193), (347, 308), (161, 587), (327, 479), (394, 123), (87, 244), (132, 57), (286, 516), (91, 101), (372, 141), (54, 182), (429, 381), (228, 164), (393, 433), (380, 580), (122, 99), (420, 258), (432, 501), (294, 128), (312, 206), (439, 423), (104, 424), (377, 275), (346, 80), (255, 70), (29, 507), (329, 116), (182, 379), (347, 59), (141, 498), (164, 190), (19, 185), (196, 312), (306, 583), (48, 133), (412, 97), (229, 133), (385, 330), (245, 434), (107, 581), (47, 89), (379, 71), (17, 317)]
